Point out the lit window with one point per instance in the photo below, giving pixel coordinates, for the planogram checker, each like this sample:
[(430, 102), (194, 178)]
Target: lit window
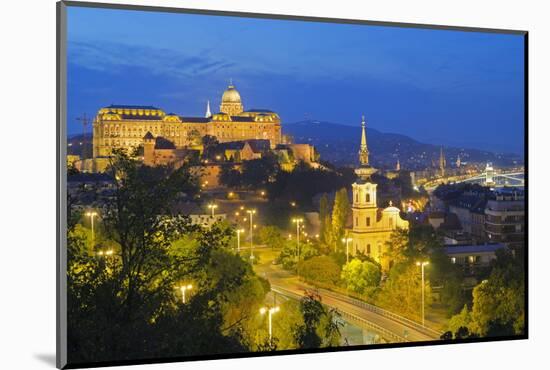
[(453, 260)]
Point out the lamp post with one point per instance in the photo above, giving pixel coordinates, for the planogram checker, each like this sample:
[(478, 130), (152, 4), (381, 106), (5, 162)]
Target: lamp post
[(239, 231), (212, 206), (297, 221), (183, 289), (347, 240), (270, 311), (251, 212), (422, 264), (92, 214)]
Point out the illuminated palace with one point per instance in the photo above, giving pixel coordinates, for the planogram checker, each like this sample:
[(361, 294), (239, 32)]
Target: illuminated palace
[(372, 226), (125, 126)]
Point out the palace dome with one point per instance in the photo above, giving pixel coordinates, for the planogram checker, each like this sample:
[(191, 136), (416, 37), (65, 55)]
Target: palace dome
[(231, 95)]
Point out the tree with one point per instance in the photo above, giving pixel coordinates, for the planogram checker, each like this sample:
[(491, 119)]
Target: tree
[(397, 246), (449, 277), (209, 144), (320, 269), (127, 305), (402, 291), (194, 137), (320, 326), (271, 236), (340, 213), (257, 173), (361, 277), (230, 176), (324, 218), (461, 320), (498, 306)]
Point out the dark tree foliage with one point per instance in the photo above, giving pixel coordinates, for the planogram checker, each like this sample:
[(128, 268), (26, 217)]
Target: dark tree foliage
[(230, 176), (320, 328), (312, 310), (257, 173), (209, 145), (126, 305), (304, 182), (449, 277)]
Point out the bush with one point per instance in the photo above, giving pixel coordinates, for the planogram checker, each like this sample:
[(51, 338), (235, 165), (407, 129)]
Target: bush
[(322, 269), (361, 276)]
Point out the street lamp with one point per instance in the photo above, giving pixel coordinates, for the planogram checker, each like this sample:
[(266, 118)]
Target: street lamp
[(270, 311), (297, 221), (422, 264), (239, 231), (347, 240), (251, 212), (92, 214), (212, 206), (183, 289)]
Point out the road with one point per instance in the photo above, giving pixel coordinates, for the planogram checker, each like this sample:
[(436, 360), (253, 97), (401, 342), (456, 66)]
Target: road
[(392, 329)]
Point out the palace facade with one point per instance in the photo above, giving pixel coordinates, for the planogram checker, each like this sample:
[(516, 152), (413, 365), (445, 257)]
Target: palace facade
[(371, 226), (125, 126)]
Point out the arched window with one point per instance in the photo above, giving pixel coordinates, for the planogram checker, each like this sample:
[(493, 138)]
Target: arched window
[(356, 221), (357, 197), (368, 221), (367, 197), (368, 249)]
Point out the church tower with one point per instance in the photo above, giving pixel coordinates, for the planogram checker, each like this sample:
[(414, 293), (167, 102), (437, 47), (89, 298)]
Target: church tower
[(364, 207), (371, 227), (442, 162)]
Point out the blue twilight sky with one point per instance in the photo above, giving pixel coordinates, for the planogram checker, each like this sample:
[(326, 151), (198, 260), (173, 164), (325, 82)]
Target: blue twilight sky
[(443, 87)]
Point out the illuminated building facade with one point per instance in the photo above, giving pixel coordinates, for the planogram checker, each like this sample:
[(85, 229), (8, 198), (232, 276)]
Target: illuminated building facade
[(372, 226), (125, 126)]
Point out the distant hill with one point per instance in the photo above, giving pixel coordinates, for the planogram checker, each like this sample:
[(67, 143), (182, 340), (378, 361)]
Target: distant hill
[(339, 144)]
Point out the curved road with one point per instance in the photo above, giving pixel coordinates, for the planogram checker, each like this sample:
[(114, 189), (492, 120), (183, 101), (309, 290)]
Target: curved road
[(393, 330)]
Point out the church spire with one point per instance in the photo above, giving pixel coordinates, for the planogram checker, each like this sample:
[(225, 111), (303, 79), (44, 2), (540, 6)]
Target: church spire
[(208, 113), (363, 150), (442, 162), (365, 170)]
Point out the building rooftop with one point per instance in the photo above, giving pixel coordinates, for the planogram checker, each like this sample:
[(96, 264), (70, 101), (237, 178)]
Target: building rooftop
[(140, 117), (259, 111), (480, 248), (195, 119), (119, 106)]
